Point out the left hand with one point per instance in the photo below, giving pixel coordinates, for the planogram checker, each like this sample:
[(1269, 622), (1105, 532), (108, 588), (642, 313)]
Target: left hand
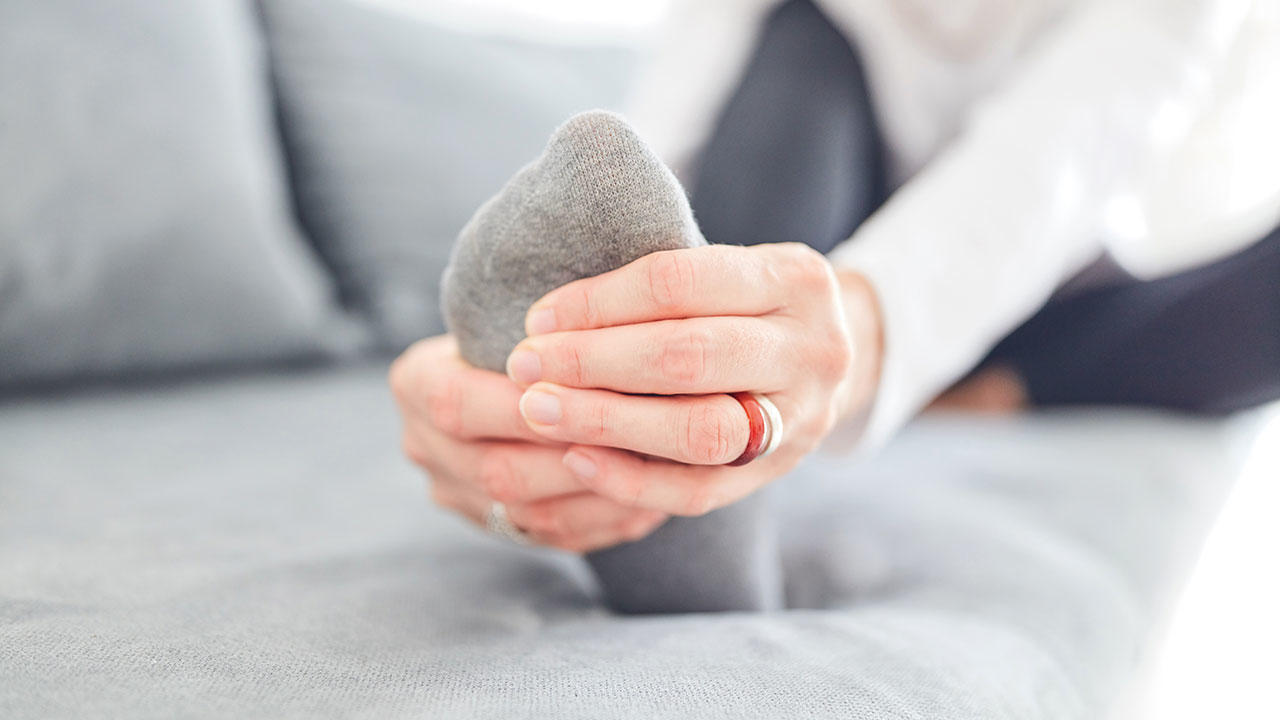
[(631, 369)]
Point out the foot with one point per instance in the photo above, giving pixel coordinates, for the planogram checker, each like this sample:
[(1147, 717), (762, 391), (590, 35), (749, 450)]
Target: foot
[(995, 390), (595, 200)]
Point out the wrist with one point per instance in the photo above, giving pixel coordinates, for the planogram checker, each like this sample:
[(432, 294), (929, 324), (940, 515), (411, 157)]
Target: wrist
[(865, 324)]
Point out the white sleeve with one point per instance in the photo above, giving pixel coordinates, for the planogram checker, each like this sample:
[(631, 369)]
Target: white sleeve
[(1045, 169)]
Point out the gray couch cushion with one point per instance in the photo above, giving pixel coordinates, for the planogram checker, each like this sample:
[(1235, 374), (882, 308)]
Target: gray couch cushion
[(144, 223), (258, 548), (397, 131)]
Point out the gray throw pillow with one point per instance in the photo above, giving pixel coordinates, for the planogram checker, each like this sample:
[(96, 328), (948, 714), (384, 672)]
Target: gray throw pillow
[(144, 220), (397, 130)]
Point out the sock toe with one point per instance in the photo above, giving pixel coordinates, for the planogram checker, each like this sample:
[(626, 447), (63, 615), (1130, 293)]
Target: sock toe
[(596, 199)]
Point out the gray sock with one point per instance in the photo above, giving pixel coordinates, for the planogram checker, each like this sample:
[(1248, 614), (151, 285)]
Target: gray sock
[(595, 200)]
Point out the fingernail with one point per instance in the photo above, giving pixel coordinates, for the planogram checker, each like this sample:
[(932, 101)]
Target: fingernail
[(580, 465), (540, 407), (541, 321), (524, 367)]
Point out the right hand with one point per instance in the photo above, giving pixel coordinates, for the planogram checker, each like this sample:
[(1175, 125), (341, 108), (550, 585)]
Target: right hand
[(463, 427)]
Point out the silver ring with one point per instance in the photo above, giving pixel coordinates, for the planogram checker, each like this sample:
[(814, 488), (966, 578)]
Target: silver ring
[(773, 426), (497, 522)]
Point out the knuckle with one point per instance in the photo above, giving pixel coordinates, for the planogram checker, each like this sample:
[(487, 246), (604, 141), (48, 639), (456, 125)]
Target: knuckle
[(444, 407), (627, 488), (397, 377), (810, 267), (536, 518), (440, 496), (636, 528), (773, 274), (684, 358), (597, 421), (590, 317), (700, 501), (554, 519), (838, 358), (403, 375), (569, 359), (496, 478), (670, 278), (828, 420), (713, 433)]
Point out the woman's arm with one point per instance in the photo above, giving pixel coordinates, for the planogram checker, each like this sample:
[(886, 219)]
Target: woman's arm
[(1048, 169)]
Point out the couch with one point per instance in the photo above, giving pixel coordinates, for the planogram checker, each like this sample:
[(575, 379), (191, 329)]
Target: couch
[(222, 219)]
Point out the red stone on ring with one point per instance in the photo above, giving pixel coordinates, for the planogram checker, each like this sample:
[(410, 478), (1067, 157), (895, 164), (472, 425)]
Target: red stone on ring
[(757, 421)]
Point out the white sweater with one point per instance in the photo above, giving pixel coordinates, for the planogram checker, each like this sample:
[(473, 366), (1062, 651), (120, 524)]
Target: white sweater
[(1027, 138)]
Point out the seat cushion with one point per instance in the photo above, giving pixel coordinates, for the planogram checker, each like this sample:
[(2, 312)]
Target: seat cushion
[(258, 548), (144, 222), (398, 130)]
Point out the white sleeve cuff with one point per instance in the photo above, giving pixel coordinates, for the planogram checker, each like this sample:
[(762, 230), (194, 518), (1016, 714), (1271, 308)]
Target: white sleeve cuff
[(894, 402)]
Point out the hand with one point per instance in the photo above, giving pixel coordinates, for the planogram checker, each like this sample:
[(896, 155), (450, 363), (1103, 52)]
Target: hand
[(639, 359), (462, 426)]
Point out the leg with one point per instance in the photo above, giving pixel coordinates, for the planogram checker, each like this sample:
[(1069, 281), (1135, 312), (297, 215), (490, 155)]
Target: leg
[(796, 155), (1206, 340)]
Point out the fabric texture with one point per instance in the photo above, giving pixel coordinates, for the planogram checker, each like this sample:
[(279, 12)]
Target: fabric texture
[(257, 547), (396, 131), (596, 199), (144, 223)]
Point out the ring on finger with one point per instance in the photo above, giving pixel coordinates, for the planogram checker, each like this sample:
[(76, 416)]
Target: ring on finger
[(765, 423)]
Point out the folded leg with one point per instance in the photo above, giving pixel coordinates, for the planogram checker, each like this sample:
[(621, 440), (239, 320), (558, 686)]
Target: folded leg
[(1206, 340)]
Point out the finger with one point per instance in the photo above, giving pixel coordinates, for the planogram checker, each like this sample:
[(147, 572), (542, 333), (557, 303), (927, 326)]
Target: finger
[(660, 484), (696, 429), (503, 471), (432, 381), (583, 513), (584, 531), (689, 282), (699, 355), (461, 500), (631, 530), (472, 404)]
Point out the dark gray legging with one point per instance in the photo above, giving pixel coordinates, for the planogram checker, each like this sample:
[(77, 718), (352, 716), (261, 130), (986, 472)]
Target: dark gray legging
[(1203, 341)]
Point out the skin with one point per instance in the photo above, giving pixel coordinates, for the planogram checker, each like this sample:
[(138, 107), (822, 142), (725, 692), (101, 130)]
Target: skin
[(614, 415), (995, 391)]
